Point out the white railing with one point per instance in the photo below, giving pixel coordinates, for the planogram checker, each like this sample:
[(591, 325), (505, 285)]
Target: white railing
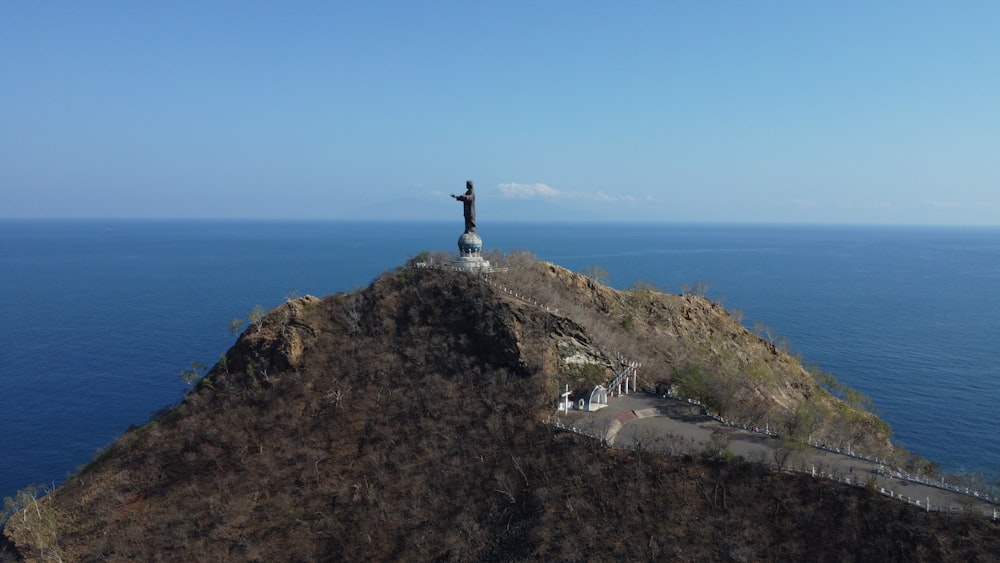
[(991, 512)]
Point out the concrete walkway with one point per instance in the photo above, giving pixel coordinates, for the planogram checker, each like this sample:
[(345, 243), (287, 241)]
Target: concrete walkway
[(675, 427)]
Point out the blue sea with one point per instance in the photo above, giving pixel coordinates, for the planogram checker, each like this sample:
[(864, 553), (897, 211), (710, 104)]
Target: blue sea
[(100, 316)]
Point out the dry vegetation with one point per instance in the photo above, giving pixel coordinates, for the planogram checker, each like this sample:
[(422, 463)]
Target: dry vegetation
[(695, 346), (406, 422)]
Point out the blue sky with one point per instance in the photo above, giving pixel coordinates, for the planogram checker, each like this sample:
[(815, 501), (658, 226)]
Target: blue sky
[(814, 112)]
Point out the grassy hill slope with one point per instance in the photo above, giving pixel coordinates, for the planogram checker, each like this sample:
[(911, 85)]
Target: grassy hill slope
[(406, 421)]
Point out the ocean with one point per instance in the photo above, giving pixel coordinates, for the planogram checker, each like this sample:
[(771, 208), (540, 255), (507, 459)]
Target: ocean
[(100, 316)]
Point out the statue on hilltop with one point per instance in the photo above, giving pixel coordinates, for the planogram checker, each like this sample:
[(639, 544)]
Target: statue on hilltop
[(469, 203)]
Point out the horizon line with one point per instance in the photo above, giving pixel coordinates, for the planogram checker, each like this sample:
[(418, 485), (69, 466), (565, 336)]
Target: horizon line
[(506, 221)]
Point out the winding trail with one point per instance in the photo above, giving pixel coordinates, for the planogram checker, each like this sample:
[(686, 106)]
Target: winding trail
[(675, 427)]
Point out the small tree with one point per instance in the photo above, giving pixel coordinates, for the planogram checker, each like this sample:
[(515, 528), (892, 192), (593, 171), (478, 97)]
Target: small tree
[(807, 418), (693, 381), (763, 331), (236, 326), (193, 372), (596, 273), (21, 500), (787, 450), (37, 520), (519, 259), (256, 317), (699, 288), (718, 444), (423, 257)]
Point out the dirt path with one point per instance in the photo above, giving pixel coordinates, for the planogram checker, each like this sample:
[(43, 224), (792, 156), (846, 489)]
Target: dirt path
[(677, 428)]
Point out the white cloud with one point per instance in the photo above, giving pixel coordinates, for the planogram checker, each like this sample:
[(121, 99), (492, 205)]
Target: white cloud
[(514, 190)]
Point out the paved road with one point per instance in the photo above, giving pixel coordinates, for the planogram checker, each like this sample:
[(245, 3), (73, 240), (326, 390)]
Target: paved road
[(678, 428)]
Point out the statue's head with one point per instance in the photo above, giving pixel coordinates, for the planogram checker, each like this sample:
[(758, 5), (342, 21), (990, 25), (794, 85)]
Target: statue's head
[(468, 185)]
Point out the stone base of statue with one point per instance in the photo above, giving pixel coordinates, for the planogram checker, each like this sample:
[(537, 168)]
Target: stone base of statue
[(470, 257)]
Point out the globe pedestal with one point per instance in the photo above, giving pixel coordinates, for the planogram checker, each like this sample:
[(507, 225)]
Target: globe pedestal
[(470, 258)]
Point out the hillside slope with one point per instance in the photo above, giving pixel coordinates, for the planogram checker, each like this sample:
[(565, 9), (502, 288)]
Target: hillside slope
[(406, 421)]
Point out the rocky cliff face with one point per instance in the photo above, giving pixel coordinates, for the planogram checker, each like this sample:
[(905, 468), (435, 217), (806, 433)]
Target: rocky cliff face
[(406, 421)]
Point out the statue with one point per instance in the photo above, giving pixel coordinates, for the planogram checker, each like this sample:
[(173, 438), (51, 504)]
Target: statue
[(469, 201)]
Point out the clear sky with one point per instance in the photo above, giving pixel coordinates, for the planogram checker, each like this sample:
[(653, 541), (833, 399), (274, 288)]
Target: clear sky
[(763, 111)]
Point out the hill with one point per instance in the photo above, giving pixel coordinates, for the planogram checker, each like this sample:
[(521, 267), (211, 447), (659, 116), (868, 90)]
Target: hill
[(408, 421)]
